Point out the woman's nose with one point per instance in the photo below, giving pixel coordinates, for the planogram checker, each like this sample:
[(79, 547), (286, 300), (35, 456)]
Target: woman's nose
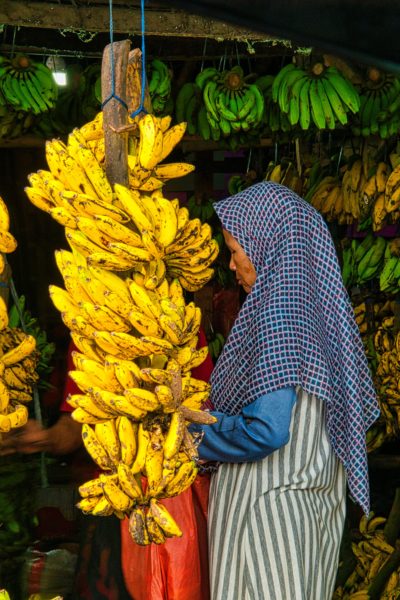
[(232, 265)]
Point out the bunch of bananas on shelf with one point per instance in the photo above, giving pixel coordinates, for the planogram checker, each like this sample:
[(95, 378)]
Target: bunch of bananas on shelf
[(379, 106), (362, 261), (327, 198), (376, 571), (233, 106), (160, 87), (26, 85), (133, 254), (285, 173), (323, 97)]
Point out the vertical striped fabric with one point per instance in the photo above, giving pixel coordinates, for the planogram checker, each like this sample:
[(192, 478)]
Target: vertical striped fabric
[(275, 525)]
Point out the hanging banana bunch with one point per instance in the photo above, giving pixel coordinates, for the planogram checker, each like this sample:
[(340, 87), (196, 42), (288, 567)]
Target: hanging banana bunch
[(26, 85), (322, 97), (379, 105), (133, 253), (160, 87), (18, 355)]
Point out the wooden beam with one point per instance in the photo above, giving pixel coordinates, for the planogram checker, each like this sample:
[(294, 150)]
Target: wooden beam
[(114, 113), (46, 15)]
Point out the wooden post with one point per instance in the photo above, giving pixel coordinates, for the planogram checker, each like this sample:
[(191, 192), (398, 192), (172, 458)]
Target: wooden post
[(115, 115)]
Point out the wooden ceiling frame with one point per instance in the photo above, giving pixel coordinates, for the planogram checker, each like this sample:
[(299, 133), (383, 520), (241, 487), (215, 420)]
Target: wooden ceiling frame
[(126, 19)]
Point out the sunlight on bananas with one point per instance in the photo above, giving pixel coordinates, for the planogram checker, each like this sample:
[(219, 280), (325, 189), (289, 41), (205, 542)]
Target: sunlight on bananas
[(123, 228), (376, 573)]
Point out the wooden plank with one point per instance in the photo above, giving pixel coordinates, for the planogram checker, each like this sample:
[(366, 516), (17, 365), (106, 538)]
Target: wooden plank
[(115, 115), (126, 20)]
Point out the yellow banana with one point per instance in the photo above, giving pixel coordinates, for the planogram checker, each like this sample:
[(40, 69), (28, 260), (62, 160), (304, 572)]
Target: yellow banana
[(137, 527), (90, 488), (143, 439), (127, 434), (164, 519), (174, 436), (95, 449), (151, 142), (143, 399), (18, 417), (128, 483), (118, 499), (154, 461), (183, 479), (166, 398), (144, 324), (107, 435), (171, 138), (130, 202), (119, 404), (18, 353), (155, 532)]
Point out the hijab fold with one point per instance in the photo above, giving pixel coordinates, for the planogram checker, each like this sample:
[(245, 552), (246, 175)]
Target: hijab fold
[(297, 326)]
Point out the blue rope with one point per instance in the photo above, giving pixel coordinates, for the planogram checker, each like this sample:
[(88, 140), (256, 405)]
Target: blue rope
[(143, 82), (113, 95)]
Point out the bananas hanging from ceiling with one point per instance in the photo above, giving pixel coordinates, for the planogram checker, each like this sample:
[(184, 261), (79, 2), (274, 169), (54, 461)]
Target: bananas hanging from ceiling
[(322, 97), (26, 85), (160, 89), (379, 105)]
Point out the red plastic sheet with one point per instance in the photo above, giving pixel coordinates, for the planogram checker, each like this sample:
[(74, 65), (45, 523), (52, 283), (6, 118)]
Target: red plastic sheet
[(178, 569)]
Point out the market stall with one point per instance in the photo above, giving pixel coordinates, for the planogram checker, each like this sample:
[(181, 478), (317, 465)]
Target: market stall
[(110, 182)]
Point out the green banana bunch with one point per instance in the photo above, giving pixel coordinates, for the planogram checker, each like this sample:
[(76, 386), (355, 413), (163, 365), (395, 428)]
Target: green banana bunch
[(160, 78), (380, 106), (232, 105), (369, 265), (26, 85), (188, 106), (322, 96)]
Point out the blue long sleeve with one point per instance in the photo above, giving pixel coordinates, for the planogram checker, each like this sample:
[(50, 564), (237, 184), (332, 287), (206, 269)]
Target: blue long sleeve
[(261, 427)]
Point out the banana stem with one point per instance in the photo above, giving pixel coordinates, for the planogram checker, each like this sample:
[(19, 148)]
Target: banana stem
[(392, 526)]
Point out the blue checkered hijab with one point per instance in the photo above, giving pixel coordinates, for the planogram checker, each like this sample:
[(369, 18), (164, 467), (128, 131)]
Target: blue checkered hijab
[(297, 326)]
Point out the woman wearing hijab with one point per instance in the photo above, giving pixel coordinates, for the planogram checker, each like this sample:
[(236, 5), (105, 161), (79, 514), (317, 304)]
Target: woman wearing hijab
[(293, 397)]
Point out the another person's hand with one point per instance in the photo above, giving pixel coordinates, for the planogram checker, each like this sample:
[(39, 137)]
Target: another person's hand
[(62, 438)]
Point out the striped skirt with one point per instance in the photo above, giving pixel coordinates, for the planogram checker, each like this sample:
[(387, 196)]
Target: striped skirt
[(275, 525)]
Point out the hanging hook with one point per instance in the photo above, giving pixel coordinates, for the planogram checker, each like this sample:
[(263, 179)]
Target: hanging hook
[(204, 54), (249, 160), (113, 95)]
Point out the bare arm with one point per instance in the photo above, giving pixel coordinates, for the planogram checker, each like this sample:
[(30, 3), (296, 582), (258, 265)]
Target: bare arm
[(63, 437)]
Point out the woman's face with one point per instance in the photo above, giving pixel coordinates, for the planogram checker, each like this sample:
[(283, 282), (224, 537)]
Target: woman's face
[(240, 263)]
